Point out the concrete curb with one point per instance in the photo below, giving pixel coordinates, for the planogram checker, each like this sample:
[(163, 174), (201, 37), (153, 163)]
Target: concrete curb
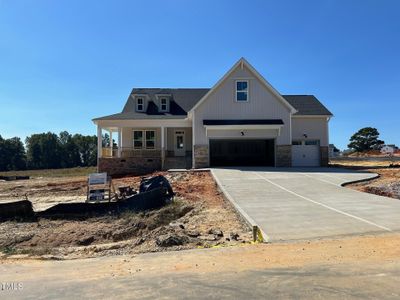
[(258, 234), (360, 180)]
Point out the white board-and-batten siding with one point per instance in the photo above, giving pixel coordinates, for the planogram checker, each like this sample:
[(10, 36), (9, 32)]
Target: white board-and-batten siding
[(221, 104)]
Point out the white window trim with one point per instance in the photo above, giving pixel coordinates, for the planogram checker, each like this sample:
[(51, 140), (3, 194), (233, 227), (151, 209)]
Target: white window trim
[(248, 90), (166, 104), (137, 104), (137, 148), (144, 140)]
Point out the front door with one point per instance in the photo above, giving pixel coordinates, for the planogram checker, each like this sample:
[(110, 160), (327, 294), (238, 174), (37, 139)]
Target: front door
[(179, 143)]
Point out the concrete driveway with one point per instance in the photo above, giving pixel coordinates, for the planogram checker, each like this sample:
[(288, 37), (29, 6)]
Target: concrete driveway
[(306, 203)]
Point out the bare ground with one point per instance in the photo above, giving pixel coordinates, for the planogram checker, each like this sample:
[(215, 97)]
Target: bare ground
[(198, 217), (388, 183), (359, 267)]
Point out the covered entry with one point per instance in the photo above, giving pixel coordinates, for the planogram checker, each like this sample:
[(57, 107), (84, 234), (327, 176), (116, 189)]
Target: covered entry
[(243, 152)]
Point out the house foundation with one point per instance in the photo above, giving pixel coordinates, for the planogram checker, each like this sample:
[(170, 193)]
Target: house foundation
[(128, 165)]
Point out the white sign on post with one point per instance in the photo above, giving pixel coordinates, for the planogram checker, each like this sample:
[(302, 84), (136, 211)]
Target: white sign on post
[(96, 195), (97, 178)]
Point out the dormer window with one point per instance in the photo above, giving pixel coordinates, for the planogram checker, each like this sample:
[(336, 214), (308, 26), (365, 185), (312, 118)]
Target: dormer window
[(242, 91), (139, 104), (163, 104)]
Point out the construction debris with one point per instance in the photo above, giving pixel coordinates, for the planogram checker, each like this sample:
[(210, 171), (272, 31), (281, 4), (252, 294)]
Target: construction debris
[(154, 192), (198, 208), (11, 178)]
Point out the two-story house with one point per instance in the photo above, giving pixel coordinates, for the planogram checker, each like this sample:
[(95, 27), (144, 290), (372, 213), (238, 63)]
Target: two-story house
[(241, 121)]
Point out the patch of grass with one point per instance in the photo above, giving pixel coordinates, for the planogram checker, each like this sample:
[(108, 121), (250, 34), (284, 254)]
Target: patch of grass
[(8, 250), (39, 251), (69, 172)]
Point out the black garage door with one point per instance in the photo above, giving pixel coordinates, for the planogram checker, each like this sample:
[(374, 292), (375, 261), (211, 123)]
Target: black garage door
[(242, 153)]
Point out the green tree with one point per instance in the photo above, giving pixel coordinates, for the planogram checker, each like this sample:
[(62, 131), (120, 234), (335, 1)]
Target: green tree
[(44, 151), (365, 139), (3, 154), (18, 156), (12, 154), (69, 154), (87, 147), (105, 141)]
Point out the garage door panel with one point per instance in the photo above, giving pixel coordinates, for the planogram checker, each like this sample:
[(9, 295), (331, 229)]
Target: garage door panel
[(242, 152), (305, 156)]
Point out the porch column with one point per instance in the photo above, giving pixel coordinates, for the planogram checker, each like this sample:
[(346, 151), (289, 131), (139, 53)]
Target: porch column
[(119, 142), (111, 143), (162, 148), (99, 142)]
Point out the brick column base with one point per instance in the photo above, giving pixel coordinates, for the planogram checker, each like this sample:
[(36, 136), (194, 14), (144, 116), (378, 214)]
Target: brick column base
[(324, 156), (283, 155), (201, 153)]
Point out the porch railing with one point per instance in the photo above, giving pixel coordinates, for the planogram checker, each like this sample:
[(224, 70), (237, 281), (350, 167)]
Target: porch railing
[(109, 152), (130, 152)]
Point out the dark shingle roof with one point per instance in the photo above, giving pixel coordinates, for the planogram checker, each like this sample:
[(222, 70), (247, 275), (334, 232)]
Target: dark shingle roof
[(183, 100), (307, 105)]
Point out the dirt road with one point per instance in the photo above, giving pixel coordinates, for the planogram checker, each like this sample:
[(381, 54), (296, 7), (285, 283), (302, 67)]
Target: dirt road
[(350, 268)]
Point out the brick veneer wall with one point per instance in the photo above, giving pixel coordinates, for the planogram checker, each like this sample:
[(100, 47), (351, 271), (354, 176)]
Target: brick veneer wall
[(324, 156), (129, 165), (284, 155), (201, 156)]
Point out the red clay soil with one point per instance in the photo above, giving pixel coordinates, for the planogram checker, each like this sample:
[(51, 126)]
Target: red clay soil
[(198, 217), (388, 183)]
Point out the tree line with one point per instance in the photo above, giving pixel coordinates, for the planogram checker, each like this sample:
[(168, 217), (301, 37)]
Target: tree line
[(48, 151), (52, 151)]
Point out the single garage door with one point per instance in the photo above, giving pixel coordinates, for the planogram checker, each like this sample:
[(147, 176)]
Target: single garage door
[(305, 154), (242, 153)]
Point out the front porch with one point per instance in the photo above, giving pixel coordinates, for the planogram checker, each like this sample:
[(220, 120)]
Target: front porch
[(140, 150)]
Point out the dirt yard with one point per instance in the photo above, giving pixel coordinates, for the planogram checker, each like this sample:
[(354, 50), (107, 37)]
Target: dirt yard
[(198, 217), (388, 183)]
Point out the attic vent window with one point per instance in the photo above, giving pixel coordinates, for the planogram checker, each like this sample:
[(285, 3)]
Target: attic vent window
[(163, 104), (242, 91), (139, 104)]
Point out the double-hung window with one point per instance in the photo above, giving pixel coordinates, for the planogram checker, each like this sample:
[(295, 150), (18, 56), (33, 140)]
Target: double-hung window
[(139, 104), (137, 139), (242, 91), (150, 139), (164, 104), (144, 139)]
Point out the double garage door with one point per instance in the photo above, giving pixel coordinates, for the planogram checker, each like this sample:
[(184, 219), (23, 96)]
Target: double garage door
[(242, 152)]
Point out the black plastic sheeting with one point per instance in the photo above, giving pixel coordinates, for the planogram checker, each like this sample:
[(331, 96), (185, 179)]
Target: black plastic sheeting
[(10, 178), (16, 210), (148, 184), (142, 201), (156, 193)]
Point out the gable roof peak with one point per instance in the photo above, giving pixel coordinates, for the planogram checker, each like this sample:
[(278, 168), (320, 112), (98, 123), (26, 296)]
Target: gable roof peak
[(243, 62)]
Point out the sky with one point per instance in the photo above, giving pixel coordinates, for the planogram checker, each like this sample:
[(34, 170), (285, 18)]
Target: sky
[(63, 63)]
